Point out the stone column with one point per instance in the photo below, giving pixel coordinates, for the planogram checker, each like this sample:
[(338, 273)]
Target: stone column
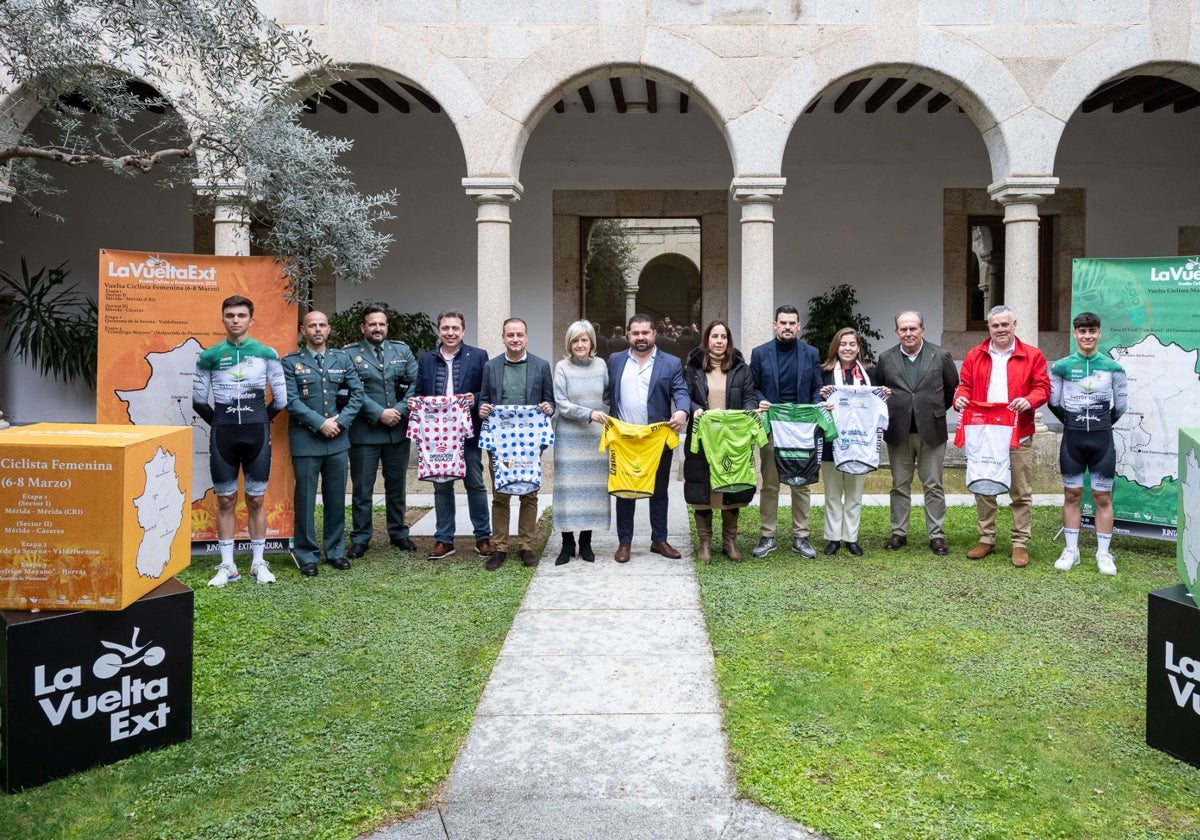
[(757, 197), (493, 197), (1021, 197), (231, 226)]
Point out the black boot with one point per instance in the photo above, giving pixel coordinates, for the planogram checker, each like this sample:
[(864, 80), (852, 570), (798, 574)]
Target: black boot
[(585, 546), (568, 548)]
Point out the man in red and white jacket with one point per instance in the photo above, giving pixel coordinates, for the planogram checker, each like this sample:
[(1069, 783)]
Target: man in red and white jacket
[(1004, 369)]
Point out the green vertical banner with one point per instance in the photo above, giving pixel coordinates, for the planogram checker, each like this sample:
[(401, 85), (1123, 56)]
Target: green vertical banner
[(1149, 311)]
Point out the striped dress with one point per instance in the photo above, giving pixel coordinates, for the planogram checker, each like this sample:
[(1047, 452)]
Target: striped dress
[(581, 501)]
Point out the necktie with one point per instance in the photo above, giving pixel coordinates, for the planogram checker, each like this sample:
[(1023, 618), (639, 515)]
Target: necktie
[(321, 362), (379, 355)]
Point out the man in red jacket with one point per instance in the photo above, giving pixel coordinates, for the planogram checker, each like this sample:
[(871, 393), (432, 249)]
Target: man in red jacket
[(1006, 370)]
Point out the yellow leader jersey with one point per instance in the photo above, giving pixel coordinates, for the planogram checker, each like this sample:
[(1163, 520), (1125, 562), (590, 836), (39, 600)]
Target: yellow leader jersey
[(633, 455)]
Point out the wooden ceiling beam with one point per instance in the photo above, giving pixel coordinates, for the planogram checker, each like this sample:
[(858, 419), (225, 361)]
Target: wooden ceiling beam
[(357, 96), (1189, 102), (937, 103), (424, 98), (334, 102), (914, 95), (387, 93), (1168, 97), (849, 94), (589, 102), (618, 92), (651, 96), (883, 93), (683, 103)]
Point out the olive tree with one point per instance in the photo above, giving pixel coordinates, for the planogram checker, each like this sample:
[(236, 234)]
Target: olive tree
[(228, 83)]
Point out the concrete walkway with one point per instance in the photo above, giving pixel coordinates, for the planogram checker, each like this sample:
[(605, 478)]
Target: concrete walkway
[(601, 717)]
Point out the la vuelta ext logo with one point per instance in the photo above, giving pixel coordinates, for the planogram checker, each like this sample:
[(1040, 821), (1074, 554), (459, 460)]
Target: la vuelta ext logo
[(1189, 670), (62, 696)]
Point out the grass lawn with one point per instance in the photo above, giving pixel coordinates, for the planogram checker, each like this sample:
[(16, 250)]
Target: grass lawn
[(320, 706), (902, 695)]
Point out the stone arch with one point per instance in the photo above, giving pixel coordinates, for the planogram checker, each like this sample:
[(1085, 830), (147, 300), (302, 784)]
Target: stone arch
[(585, 56), (974, 79), (1128, 52), (658, 282)]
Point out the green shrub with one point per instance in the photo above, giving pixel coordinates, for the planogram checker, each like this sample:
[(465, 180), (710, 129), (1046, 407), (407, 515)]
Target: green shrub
[(415, 329)]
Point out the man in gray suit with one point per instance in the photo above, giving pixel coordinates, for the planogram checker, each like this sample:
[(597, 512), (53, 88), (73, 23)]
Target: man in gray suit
[(324, 395), (379, 433), (922, 378), (516, 378)]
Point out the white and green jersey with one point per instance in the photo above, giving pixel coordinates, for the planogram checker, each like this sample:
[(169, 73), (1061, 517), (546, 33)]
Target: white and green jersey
[(236, 377), (798, 433), (1088, 393)]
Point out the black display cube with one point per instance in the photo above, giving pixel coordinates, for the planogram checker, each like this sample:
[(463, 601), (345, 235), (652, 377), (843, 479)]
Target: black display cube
[(1173, 674), (79, 689)]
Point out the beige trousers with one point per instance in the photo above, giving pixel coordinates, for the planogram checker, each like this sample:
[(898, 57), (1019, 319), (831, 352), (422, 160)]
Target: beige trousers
[(843, 503), (768, 498)]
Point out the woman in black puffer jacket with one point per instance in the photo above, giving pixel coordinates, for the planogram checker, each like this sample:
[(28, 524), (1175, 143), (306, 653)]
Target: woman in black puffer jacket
[(717, 377)]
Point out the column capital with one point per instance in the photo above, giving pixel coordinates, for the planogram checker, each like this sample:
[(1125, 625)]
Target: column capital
[(493, 190), (757, 190), (1025, 189), (220, 190)]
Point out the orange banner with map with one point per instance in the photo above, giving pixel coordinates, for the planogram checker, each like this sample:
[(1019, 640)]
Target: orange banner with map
[(157, 312)]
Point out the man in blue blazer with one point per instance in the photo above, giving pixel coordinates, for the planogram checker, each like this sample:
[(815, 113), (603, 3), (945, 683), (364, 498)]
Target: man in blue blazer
[(516, 378), (454, 367), (643, 383), (379, 435), (787, 369)]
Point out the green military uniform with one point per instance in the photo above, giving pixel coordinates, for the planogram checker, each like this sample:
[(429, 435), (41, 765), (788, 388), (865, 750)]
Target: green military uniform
[(312, 389), (372, 442)]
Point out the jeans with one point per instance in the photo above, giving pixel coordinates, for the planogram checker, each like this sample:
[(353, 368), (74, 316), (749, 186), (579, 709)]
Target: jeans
[(477, 501)]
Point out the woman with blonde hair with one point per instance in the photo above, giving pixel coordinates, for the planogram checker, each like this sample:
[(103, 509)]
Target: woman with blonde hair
[(581, 501)]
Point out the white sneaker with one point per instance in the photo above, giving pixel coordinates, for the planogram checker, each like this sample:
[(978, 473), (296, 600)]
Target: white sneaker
[(1105, 563), (1067, 560), (261, 572), (225, 574)]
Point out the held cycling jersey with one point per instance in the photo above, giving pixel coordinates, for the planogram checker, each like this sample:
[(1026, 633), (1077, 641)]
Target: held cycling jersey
[(517, 434), (1088, 393), (236, 378), (634, 452), (987, 432), (729, 438), (798, 433)]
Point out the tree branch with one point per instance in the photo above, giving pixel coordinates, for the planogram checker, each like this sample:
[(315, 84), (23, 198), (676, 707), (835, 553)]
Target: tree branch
[(143, 162)]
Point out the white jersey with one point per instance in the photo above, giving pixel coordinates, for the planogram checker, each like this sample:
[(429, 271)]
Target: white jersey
[(860, 415), (517, 434), (988, 432), (439, 425)]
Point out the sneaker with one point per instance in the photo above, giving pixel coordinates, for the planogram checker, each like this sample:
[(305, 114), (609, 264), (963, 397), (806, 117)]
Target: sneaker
[(804, 548), (1067, 560), (225, 574), (1105, 563), (765, 546), (261, 572)]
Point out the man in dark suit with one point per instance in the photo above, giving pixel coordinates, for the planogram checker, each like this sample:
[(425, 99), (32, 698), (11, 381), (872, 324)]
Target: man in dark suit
[(787, 369), (643, 382), (922, 378), (379, 433), (516, 378), (456, 368), (324, 396)]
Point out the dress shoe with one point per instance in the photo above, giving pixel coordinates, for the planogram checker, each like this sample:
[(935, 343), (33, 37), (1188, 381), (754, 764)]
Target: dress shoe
[(831, 547), (404, 544), (356, 551), (896, 542), (1020, 556), (484, 547), (496, 560), (440, 550), (665, 549), (854, 548), (622, 555), (340, 563), (804, 548), (981, 550), (938, 546), (527, 557), (309, 570)]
